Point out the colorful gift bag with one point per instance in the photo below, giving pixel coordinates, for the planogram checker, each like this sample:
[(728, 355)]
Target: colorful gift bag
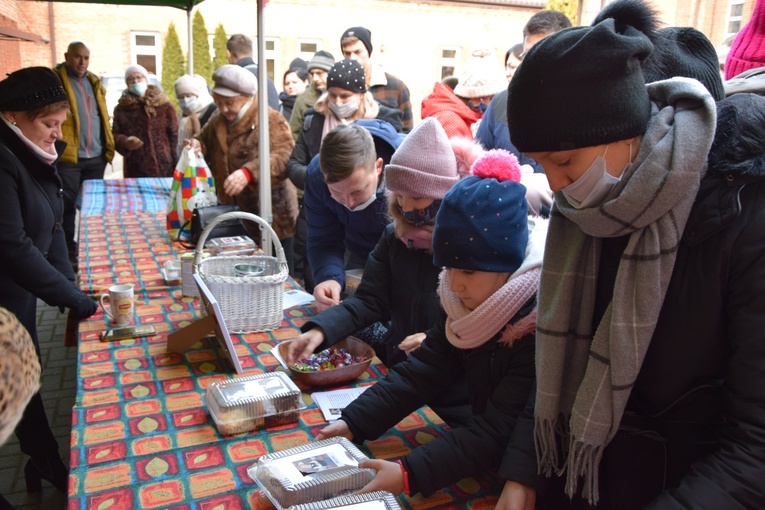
[(193, 186)]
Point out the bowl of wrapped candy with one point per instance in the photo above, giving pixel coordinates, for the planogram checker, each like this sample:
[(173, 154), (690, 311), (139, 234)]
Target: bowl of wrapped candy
[(343, 362)]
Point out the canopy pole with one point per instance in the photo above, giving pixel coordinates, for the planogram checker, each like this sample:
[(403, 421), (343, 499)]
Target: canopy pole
[(264, 152), (191, 40)]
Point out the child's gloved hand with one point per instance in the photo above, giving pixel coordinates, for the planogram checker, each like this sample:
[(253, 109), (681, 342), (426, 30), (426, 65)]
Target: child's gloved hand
[(304, 345), (389, 477), (411, 342), (339, 428)]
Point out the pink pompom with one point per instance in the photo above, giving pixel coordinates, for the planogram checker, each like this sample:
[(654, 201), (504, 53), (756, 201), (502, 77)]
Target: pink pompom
[(499, 164)]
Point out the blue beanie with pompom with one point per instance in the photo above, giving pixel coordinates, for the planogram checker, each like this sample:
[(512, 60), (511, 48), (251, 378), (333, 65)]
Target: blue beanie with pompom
[(482, 224)]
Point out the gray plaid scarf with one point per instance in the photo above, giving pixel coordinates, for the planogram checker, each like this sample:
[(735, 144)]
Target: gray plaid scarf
[(584, 378)]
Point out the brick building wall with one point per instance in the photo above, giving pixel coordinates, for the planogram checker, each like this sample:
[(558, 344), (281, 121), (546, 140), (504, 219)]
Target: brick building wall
[(408, 36)]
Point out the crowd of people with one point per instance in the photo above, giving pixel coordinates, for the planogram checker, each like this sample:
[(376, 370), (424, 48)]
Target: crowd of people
[(564, 258)]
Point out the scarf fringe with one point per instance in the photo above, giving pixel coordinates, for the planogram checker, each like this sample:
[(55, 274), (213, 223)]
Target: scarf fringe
[(583, 462), (545, 437)]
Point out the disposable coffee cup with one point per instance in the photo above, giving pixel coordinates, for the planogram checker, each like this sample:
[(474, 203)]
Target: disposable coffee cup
[(248, 270), (121, 303)]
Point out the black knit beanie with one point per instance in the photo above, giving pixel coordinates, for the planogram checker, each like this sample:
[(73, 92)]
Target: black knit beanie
[(580, 87), (347, 74), (362, 34), (684, 51), (677, 51), (29, 89)]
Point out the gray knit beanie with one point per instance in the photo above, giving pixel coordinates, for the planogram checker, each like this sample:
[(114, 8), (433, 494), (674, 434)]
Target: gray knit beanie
[(424, 165), (321, 60)]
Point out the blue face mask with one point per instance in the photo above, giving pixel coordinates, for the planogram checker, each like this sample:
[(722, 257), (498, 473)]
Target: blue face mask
[(420, 217), (139, 89), (187, 102)]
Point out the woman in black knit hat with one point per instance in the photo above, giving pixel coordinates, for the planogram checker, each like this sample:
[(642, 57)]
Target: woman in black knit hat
[(33, 256), (650, 387)]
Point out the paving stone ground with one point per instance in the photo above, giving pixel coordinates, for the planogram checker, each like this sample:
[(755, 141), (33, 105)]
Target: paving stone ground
[(59, 386)]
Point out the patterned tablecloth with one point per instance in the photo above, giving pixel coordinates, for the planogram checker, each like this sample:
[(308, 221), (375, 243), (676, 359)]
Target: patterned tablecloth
[(147, 194), (141, 434)]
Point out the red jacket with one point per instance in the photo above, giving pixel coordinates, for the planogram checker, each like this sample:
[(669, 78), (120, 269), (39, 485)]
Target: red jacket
[(454, 115)]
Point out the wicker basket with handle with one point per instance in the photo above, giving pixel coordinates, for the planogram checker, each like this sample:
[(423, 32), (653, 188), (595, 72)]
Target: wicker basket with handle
[(248, 303)]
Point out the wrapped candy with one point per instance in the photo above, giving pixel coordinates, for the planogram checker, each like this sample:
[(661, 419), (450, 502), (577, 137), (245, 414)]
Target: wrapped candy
[(328, 359)]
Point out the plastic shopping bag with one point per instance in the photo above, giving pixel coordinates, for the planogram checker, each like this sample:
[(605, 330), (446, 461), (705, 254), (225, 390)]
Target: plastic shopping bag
[(193, 186)]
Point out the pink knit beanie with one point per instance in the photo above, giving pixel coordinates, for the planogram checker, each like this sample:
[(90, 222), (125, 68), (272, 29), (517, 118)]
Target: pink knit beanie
[(424, 165), (748, 48)]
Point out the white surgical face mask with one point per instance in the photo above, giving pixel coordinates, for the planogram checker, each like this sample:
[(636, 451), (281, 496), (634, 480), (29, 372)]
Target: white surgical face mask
[(363, 206), (594, 184), (139, 89), (344, 110), (187, 102)]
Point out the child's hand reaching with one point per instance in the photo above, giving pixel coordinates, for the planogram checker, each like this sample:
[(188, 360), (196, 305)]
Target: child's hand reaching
[(516, 497), (304, 345), (411, 342), (389, 477), (339, 428)]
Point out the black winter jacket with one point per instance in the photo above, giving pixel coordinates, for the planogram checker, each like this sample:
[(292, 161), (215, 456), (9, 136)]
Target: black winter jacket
[(694, 429), (309, 141), (500, 380), (33, 255), (399, 285)]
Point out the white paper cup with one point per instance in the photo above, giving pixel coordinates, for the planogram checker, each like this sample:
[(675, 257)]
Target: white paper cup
[(120, 298)]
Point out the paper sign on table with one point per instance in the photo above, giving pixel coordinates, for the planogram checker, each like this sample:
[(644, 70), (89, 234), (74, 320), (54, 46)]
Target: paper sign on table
[(295, 297), (333, 402)]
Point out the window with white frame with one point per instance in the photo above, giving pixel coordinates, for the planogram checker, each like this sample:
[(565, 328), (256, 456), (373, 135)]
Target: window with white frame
[(733, 22), (146, 50), (450, 58), (307, 47), (272, 55)]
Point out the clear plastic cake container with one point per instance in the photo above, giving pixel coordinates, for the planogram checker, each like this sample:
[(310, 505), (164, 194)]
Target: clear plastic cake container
[(311, 473), (251, 402), (379, 500), (231, 246)]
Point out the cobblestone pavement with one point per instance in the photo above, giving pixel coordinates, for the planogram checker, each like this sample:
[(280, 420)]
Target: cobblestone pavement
[(59, 386)]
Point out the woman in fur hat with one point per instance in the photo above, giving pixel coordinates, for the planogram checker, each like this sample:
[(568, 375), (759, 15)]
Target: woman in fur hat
[(651, 392), (145, 127)]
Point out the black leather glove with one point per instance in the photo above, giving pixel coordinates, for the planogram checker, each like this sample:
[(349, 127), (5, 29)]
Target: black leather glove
[(83, 306)]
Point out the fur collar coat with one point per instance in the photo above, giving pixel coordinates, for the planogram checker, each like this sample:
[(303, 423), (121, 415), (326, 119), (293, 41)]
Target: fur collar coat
[(153, 119), (227, 151)]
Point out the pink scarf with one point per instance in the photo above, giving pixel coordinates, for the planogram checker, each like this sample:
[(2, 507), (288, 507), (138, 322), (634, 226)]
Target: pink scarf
[(468, 329)]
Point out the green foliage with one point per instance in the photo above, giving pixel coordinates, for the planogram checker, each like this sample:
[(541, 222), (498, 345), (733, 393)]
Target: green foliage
[(202, 62), (219, 47), (568, 7), (173, 63)]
